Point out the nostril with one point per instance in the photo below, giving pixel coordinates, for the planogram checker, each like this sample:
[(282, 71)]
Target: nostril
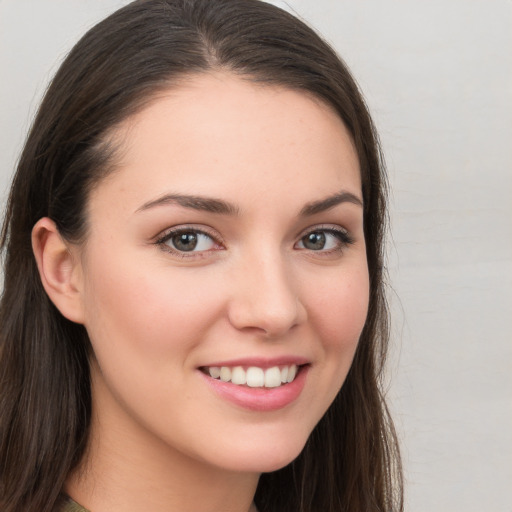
[(264, 301), (266, 324)]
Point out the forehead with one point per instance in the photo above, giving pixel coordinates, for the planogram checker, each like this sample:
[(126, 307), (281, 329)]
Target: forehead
[(218, 134)]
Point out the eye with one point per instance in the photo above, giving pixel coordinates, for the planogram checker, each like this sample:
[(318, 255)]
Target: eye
[(325, 240), (187, 240)]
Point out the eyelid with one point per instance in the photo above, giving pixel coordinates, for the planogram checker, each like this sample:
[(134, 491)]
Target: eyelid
[(332, 228), (180, 228), (343, 235), (168, 233)]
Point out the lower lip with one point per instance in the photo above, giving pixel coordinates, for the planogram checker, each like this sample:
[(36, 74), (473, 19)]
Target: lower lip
[(260, 399)]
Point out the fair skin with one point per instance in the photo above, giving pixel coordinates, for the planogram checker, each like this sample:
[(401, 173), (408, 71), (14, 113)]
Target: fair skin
[(229, 235)]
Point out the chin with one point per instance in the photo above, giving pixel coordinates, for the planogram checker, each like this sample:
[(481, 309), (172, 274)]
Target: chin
[(264, 462), (269, 454)]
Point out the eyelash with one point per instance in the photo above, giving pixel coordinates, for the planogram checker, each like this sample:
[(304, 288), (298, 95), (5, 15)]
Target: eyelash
[(182, 230), (340, 234)]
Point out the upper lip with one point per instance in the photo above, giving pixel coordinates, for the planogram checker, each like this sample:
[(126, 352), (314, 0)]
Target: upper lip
[(260, 362)]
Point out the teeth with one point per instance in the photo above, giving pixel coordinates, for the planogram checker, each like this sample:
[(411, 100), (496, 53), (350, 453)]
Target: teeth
[(225, 374), (238, 376), (214, 372), (273, 377), (255, 377), (291, 373)]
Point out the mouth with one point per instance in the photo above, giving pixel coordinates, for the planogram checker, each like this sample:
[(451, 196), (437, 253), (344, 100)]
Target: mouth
[(258, 384), (255, 376)]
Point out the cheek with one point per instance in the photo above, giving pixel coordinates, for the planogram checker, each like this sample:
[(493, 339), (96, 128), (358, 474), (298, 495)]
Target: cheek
[(140, 311), (145, 325), (340, 309), (338, 314)]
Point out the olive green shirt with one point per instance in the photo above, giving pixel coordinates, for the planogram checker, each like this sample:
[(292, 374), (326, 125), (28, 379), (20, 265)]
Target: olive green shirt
[(68, 505)]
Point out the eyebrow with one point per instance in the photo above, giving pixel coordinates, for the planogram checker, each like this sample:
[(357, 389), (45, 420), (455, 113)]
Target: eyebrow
[(205, 204), (330, 202), (221, 207)]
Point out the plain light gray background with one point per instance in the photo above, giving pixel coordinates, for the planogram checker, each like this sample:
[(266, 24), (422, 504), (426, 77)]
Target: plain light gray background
[(438, 78)]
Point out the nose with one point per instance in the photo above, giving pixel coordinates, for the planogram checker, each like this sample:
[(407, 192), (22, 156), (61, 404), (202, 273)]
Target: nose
[(265, 298)]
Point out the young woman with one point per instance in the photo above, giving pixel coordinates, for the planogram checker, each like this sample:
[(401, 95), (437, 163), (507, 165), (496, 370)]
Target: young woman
[(193, 314)]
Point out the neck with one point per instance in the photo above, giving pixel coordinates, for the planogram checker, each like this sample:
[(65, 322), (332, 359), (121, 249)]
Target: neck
[(129, 469)]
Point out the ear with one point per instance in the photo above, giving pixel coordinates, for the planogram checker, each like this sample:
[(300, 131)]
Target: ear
[(59, 268)]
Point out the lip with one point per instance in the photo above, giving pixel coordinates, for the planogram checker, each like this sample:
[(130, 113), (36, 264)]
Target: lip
[(259, 399), (260, 362)]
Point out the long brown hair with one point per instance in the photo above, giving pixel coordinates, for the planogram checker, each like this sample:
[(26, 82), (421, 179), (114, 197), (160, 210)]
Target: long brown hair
[(351, 461)]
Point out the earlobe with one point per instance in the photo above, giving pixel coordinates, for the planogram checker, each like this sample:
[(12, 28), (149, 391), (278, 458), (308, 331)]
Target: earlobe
[(60, 271)]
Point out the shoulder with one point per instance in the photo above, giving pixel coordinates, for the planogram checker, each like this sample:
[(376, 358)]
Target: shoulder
[(66, 504)]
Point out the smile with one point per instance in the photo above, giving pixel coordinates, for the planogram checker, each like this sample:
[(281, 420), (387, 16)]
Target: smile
[(260, 386), (254, 376)]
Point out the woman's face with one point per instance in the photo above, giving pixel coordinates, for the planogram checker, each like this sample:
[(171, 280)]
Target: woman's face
[(226, 247)]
